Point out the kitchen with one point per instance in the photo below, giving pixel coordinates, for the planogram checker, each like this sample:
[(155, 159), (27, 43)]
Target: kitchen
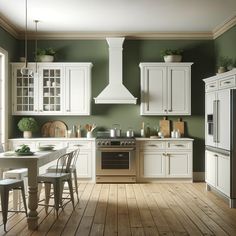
[(203, 52)]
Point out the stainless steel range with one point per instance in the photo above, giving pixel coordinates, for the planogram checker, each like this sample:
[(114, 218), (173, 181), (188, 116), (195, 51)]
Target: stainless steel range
[(115, 160)]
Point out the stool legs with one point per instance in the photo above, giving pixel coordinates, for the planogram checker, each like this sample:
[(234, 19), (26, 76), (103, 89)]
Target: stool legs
[(76, 184), (4, 204)]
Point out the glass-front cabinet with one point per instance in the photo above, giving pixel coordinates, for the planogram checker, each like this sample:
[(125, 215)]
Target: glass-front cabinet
[(52, 89), (37, 93), (51, 93), (24, 88)]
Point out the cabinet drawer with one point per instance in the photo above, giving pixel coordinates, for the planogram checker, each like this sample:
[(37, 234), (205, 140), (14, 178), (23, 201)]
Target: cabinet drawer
[(227, 82), (180, 145), (212, 86), (152, 145), (80, 144)]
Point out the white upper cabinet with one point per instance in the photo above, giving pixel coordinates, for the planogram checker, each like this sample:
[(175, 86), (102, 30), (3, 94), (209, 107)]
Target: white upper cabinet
[(78, 89), (54, 89), (165, 88)]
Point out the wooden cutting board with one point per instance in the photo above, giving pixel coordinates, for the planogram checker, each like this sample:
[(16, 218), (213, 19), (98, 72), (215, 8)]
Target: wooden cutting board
[(179, 125), (165, 127), (58, 129), (45, 129)]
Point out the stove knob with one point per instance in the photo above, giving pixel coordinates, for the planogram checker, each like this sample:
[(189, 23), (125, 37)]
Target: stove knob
[(107, 143), (99, 143)]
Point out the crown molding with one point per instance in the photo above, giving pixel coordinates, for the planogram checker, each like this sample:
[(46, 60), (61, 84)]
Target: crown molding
[(219, 30), (127, 35), (226, 25), (9, 27)]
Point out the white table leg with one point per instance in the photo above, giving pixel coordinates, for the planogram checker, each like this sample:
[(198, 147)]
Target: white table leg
[(33, 199)]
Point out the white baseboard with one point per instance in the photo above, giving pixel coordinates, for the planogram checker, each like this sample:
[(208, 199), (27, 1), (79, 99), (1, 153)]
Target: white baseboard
[(198, 176)]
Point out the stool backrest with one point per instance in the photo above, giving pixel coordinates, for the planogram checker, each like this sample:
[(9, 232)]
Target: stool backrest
[(75, 156), (64, 162)]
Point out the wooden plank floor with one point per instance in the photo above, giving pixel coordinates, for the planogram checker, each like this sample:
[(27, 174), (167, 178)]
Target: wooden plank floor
[(134, 209)]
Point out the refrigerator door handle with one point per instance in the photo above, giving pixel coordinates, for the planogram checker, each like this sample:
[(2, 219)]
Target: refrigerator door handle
[(215, 121)]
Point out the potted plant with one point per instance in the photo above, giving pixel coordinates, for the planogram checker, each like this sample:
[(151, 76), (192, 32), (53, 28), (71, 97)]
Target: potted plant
[(172, 55), (223, 64), (27, 125), (45, 55)]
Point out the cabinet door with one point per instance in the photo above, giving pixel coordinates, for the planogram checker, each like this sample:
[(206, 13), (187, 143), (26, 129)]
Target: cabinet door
[(223, 174), (78, 86), (210, 168), (84, 164), (179, 165), (152, 164), (51, 82), (223, 140), (154, 90), (179, 91), (24, 91)]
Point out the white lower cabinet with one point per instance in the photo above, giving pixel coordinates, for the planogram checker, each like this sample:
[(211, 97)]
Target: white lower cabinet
[(218, 171), (153, 164), (86, 160), (170, 159)]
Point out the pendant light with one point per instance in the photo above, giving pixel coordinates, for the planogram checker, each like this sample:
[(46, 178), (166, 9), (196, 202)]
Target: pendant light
[(36, 46), (25, 70)]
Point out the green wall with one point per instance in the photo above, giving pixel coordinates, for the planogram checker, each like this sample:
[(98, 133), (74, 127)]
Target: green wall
[(203, 53), (200, 52), (225, 45)]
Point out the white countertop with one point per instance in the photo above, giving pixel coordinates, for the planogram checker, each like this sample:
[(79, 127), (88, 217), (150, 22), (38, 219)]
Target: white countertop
[(164, 139)]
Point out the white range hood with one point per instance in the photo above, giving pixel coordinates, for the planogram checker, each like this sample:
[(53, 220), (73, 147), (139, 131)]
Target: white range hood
[(115, 92)]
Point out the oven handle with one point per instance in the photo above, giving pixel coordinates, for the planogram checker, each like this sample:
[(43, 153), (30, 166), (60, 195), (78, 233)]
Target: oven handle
[(123, 149)]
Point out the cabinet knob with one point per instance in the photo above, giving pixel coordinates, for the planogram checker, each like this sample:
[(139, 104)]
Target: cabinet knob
[(163, 154), (165, 110), (68, 110), (35, 110), (169, 110)]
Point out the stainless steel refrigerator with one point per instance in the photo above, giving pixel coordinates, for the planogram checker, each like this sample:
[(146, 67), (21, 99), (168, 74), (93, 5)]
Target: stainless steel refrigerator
[(220, 134)]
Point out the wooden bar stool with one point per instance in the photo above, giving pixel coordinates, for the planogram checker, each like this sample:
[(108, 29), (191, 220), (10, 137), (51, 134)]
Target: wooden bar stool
[(20, 174), (5, 186)]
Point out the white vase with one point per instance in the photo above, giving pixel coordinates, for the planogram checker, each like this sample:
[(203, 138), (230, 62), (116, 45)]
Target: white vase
[(46, 58), (27, 134), (172, 58)]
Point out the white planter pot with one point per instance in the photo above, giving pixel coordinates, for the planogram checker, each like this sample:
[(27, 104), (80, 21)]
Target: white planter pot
[(27, 134), (46, 58), (172, 58), (221, 69)]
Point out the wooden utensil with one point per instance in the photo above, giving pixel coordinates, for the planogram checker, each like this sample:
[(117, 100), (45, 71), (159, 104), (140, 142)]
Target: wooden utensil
[(45, 129), (165, 127), (58, 129), (179, 125)]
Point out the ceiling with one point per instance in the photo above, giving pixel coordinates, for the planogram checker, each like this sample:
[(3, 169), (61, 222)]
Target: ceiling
[(124, 17)]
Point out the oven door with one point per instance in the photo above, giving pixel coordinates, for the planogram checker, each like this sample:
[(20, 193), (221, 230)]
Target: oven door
[(115, 161)]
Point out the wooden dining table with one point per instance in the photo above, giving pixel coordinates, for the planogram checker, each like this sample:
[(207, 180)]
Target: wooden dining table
[(38, 159)]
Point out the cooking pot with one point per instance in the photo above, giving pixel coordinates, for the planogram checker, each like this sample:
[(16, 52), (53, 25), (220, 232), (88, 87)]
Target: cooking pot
[(115, 131), (129, 133)]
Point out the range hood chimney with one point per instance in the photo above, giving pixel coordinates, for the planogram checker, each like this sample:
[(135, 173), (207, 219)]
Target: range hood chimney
[(115, 92)]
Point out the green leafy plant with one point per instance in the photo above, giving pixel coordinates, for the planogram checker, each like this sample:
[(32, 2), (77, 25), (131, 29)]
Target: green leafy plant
[(46, 51), (27, 124), (225, 62), (166, 52), (23, 149)]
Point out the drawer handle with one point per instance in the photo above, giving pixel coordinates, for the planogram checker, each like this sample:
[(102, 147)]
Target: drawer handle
[(212, 86), (152, 145), (215, 155), (179, 145), (227, 82)]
